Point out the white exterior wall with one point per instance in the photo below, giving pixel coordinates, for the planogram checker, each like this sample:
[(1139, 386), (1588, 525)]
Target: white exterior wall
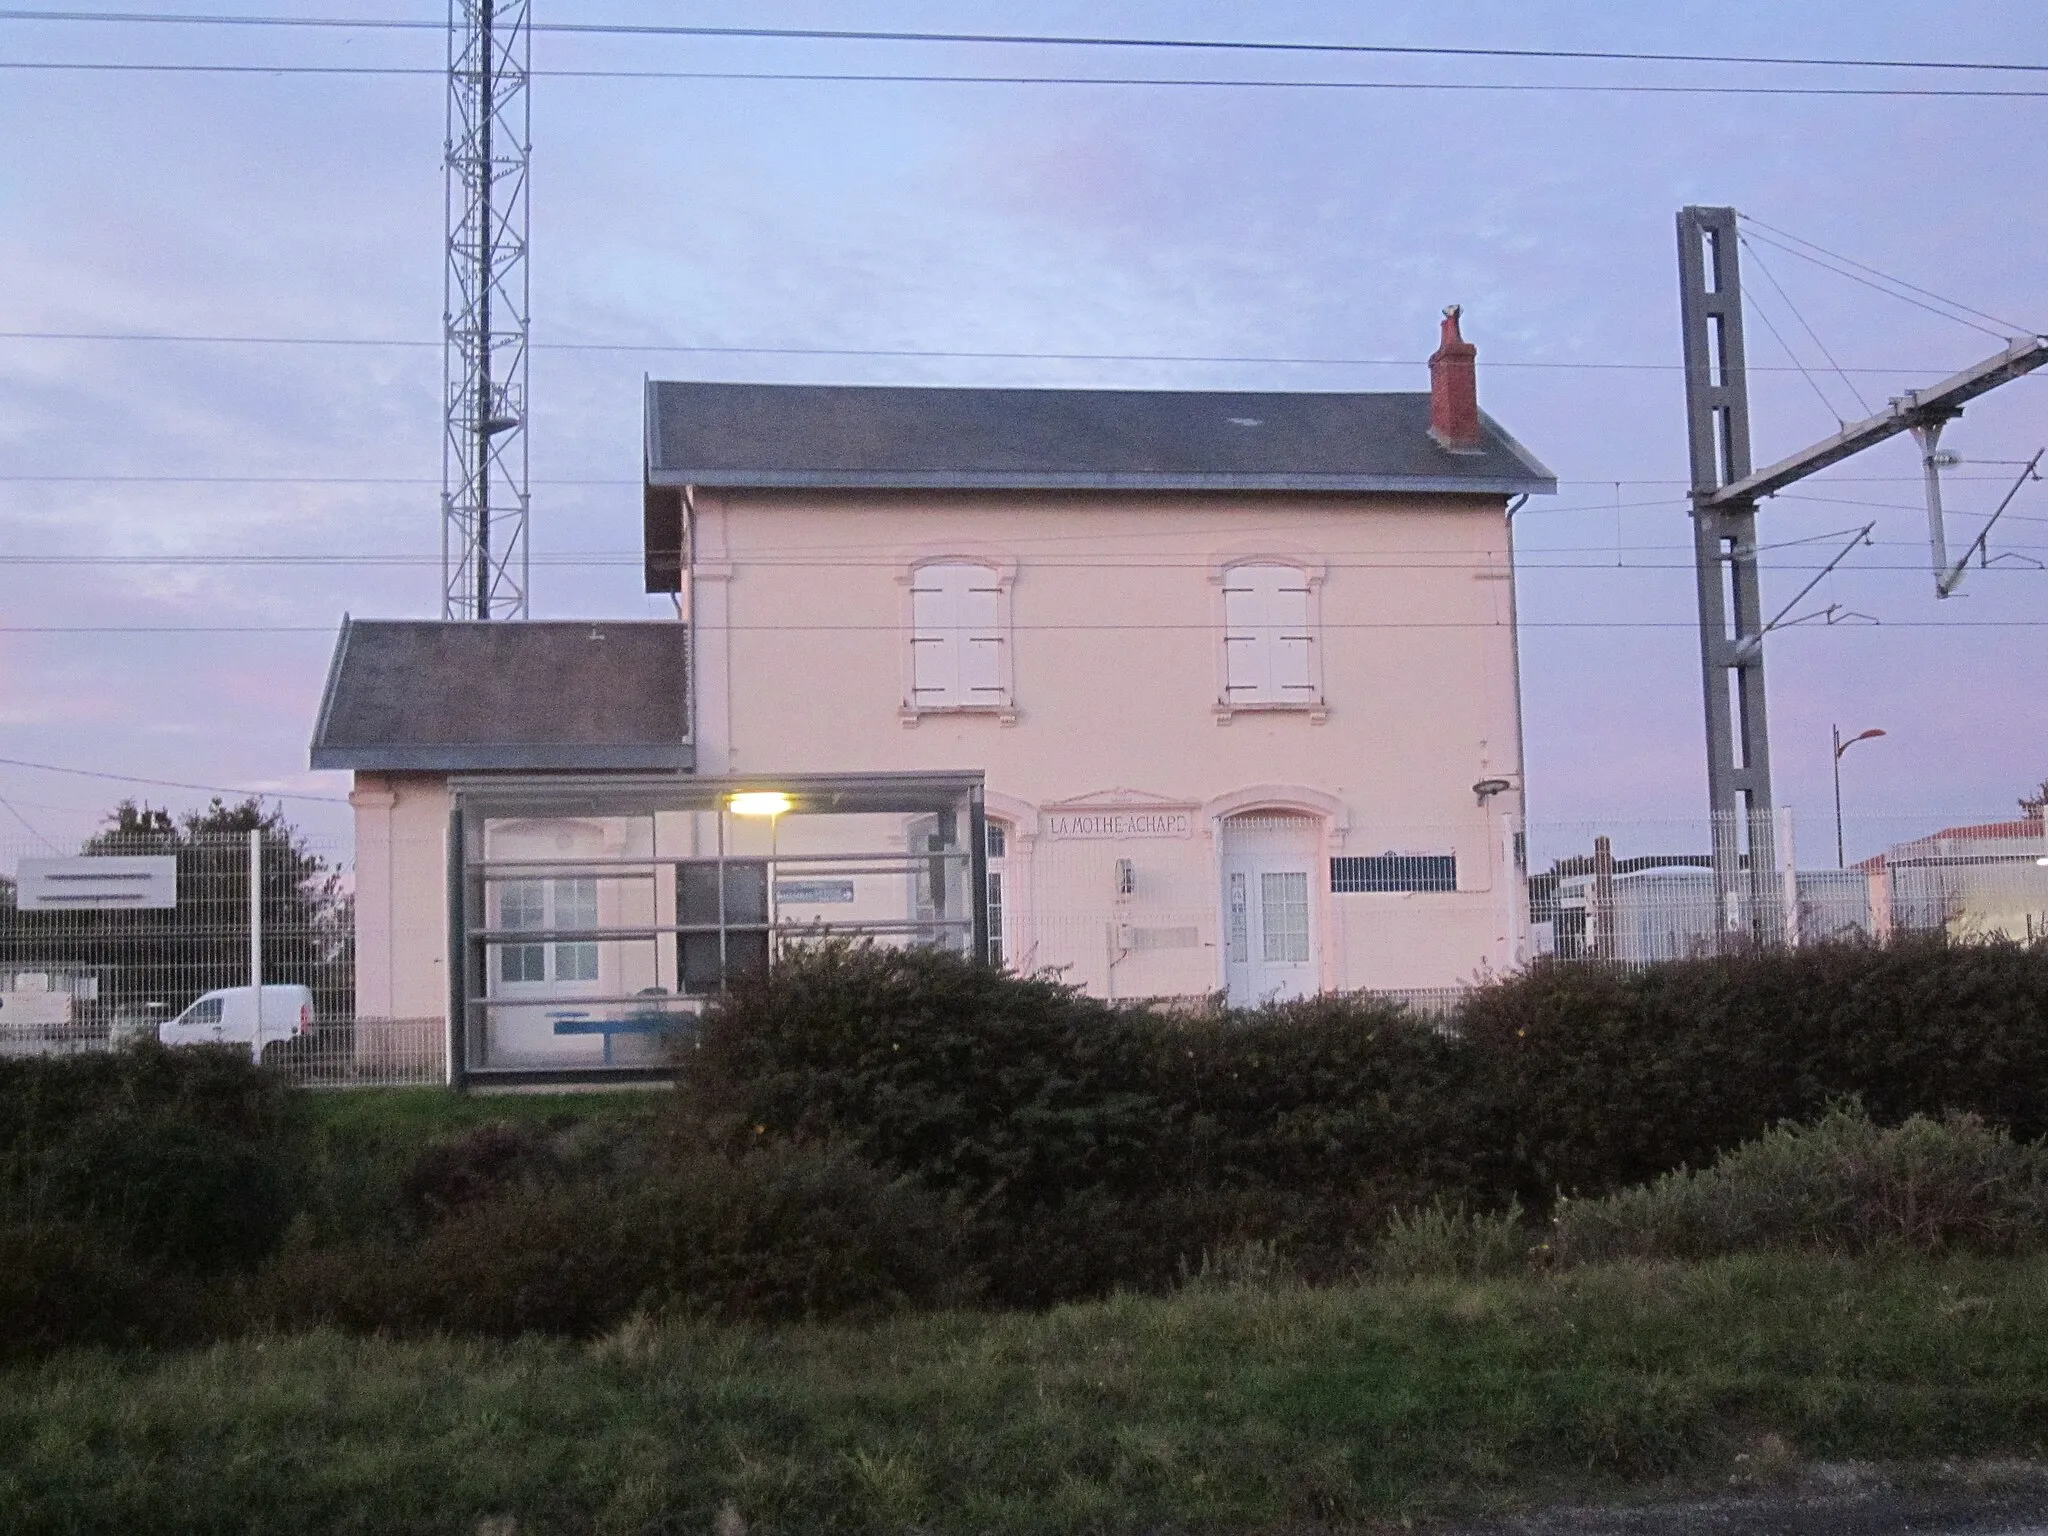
[(401, 896), (1114, 629)]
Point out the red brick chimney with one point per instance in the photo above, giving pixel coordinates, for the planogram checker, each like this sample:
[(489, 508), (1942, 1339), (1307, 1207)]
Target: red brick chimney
[(1454, 390)]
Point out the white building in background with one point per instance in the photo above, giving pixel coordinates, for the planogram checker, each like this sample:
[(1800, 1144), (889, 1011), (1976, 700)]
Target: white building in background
[(1238, 671), (1989, 880)]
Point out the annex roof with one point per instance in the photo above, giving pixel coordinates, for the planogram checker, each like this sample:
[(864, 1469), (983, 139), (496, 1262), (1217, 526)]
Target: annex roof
[(462, 696), (897, 438)]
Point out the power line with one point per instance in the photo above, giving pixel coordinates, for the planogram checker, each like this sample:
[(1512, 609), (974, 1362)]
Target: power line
[(1757, 223), (919, 353), (129, 778), (1103, 628), (33, 479), (1036, 40), (33, 831), (1904, 298), (1772, 278), (884, 77), (1532, 559)]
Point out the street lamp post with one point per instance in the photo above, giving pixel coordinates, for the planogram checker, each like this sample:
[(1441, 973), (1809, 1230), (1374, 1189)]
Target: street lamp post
[(1842, 746)]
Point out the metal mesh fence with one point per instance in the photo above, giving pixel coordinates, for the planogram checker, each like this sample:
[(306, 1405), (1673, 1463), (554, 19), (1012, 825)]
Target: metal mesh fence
[(241, 935), (354, 986)]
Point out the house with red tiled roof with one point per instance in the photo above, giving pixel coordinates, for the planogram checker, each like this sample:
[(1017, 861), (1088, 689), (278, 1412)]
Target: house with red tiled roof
[(1983, 881)]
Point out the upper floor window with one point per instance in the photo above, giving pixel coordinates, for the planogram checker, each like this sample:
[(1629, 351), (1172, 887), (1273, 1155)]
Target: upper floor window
[(958, 648), (1269, 644)]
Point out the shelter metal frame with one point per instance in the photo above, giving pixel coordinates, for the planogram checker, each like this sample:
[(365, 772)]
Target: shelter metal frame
[(953, 863)]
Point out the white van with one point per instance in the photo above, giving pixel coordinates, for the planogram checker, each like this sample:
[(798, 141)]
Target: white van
[(230, 1016)]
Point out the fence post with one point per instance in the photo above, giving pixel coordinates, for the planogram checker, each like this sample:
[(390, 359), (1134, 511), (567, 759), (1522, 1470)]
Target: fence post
[(1788, 875), (256, 930), (1600, 934)]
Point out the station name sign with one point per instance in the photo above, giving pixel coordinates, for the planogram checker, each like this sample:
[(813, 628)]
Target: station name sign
[(1119, 825), (98, 883)]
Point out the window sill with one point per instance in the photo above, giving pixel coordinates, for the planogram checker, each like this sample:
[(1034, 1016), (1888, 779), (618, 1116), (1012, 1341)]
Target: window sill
[(1317, 710), (910, 714)]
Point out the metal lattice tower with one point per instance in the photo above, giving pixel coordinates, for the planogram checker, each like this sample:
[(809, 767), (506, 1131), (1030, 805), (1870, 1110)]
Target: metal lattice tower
[(484, 450)]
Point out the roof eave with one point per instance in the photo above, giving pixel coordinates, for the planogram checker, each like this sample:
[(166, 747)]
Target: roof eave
[(1538, 482), (512, 757)]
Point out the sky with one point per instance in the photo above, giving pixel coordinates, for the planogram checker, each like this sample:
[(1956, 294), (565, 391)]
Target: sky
[(184, 523)]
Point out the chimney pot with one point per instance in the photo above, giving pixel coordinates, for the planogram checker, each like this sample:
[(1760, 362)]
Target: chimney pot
[(1454, 390)]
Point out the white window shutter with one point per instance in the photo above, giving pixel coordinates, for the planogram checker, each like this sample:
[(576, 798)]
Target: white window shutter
[(956, 636), (1245, 661), (934, 647), (981, 635), (1293, 676), (1267, 638)]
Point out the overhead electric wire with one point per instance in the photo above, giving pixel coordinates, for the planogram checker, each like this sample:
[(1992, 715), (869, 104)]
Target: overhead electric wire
[(1102, 628), (1757, 223), (7, 477), (1763, 315), (33, 831), (1024, 39), (1771, 277), (1904, 298), (901, 77), (202, 338), (1532, 560), (129, 778)]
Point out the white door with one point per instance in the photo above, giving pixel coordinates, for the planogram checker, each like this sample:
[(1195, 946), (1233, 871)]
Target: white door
[(1270, 947)]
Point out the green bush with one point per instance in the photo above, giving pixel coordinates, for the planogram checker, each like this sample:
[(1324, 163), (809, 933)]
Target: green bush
[(1843, 1185), (1606, 1078), (802, 1232), (1347, 1097), (183, 1156), (777, 1235), (456, 1172), (1096, 1147), (972, 1079), (65, 1285)]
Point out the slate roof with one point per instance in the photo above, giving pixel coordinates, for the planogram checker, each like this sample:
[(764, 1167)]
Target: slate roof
[(462, 696), (888, 437)]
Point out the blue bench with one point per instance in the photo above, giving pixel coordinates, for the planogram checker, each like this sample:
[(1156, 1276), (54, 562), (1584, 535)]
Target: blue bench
[(574, 1021)]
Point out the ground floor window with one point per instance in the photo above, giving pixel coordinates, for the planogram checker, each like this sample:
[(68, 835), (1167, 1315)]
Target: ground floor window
[(998, 849), (722, 915), (541, 906)]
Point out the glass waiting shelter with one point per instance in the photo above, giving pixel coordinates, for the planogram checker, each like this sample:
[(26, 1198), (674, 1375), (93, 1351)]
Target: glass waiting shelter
[(593, 919)]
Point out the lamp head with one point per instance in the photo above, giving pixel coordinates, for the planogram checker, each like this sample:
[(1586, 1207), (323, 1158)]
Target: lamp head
[(758, 802)]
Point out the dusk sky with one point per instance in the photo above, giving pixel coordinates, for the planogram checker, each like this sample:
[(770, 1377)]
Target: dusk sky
[(183, 523)]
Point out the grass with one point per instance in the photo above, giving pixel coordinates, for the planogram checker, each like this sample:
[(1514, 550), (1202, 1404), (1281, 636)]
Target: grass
[(1220, 1409)]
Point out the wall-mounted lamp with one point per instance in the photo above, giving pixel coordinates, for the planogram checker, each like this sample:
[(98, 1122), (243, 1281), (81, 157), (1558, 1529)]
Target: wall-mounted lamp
[(758, 802), (1126, 878), (1486, 789)]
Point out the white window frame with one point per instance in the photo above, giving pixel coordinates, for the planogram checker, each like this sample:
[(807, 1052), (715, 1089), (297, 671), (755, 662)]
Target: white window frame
[(556, 955), (999, 835), (1309, 701), (997, 700)]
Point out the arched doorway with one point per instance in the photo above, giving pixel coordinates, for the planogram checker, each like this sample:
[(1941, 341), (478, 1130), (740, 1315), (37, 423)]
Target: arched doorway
[(1271, 929)]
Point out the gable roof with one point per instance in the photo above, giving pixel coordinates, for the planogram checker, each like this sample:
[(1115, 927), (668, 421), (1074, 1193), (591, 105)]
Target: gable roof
[(462, 696), (896, 438)]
